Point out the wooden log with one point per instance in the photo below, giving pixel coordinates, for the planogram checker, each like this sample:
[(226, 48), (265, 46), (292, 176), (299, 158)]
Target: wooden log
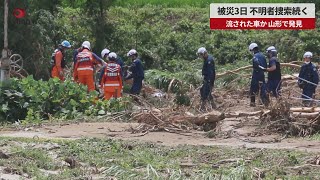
[(305, 109), (290, 65), (306, 115), (289, 77), (211, 117), (242, 114)]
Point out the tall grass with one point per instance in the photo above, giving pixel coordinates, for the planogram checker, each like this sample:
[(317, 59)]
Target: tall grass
[(193, 3)]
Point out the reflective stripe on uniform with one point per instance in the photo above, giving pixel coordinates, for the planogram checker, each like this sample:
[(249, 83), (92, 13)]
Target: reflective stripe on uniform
[(112, 64), (112, 69), (117, 84), (112, 74), (86, 68)]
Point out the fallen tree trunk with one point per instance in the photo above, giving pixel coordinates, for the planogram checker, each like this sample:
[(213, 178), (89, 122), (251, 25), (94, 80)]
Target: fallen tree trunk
[(289, 76), (306, 115), (242, 114), (211, 117), (290, 65), (305, 109)]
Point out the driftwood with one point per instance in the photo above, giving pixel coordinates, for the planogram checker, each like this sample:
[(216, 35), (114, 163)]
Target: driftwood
[(306, 115), (291, 65), (211, 117), (305, 109), (250, 67), (245, 114)]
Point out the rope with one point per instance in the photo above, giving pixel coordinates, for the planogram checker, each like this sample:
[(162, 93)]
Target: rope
[(306, 80)]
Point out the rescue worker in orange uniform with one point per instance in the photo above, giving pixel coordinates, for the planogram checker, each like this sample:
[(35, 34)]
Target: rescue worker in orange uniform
[(111, 78), (84, 66), (58, 61), (74, 58)]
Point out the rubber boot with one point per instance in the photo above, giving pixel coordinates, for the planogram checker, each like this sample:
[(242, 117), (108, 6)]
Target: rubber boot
[(253, 101), (213, 105), (203, 106), (266, 101)]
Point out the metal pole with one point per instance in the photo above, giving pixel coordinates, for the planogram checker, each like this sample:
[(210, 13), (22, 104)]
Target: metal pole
[(6, 24), (3, 70)]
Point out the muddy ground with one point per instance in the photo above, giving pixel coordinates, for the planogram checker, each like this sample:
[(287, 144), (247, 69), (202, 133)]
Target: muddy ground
[(120, 131), (239, 132), (232, 132)]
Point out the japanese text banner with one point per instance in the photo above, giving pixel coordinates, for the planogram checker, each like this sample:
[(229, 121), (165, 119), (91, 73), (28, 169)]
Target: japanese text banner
[(262, 16)]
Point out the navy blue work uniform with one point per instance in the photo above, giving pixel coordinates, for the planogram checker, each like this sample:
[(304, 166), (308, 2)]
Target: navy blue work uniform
[(138, 75), (209, 76), (121, 63), (308, 72), (257, 79), (274, 77)]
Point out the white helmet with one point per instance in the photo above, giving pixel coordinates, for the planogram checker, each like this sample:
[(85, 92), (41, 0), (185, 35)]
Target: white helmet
[(112, 56), (308, 54), (252, 46), (132, 52), (104, 52), (201, 50), (271, 48), (86, 44)]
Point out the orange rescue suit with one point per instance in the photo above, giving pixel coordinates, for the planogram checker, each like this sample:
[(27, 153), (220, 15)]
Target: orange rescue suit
[(83, 71), (57, 69), (111, 80)]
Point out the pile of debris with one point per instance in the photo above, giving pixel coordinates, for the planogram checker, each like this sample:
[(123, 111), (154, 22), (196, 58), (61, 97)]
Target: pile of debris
[(295, 121), (173, 120)]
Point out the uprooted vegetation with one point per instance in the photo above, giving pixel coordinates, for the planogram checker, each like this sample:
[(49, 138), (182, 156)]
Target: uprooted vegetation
[(285, 115), (173, 106), (300, 121)]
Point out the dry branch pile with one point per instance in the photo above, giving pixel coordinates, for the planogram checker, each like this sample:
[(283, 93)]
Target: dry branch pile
[(175, 121), (297, 121), (280, 117)]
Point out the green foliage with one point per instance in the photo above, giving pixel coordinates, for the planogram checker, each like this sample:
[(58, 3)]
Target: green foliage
[(32, 100), (182, 99), (161, 31), (162, 35)]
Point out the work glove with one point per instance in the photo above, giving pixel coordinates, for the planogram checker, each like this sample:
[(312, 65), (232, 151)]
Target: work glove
[(263, 69), (101, 93)]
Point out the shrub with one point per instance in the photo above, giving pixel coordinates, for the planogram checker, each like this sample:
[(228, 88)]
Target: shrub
[(42, 99)]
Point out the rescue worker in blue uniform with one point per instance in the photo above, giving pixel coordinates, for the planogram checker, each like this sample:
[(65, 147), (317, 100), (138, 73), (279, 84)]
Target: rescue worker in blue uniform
[(308, 72), (274, 72), (258, 80), (209, 75), (137, 72)]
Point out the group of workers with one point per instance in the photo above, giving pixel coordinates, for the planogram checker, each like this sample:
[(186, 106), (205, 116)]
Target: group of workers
[(113, 73), (111, 67), (308, 78)]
